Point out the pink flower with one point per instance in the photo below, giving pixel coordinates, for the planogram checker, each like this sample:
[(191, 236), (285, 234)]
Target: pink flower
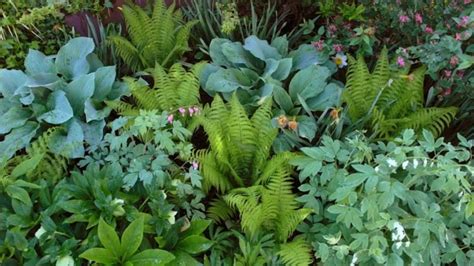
[(464, 21), (400, 61), (458, 37), (418, 18), (182, 111), (191, 111), (466, 2), (428, 30), (170, 118), (403, 18), (447, 73), (454, 61), (319, 45), (196, 109), (460, 74), (195, 165), (337, 48), (447, 92), (332, 28)]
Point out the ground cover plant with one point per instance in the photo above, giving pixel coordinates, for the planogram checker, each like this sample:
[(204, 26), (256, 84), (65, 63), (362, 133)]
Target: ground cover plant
[(231, 132)]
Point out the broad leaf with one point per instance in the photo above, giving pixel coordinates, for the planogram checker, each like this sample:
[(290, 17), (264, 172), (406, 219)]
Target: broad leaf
[(71, 60), (132, 238), (61, 110), (152, 257), (194, 244), (99, 255), (109, 238)]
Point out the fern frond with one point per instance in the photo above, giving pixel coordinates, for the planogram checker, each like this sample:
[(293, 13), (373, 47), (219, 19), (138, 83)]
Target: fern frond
[(433, 119), (357, 85), (127, 51), (220, 211), (296, 252)]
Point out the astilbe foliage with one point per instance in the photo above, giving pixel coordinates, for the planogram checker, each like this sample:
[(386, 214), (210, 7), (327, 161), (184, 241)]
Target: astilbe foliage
[(239, 166), (160, 38), (388, 102)]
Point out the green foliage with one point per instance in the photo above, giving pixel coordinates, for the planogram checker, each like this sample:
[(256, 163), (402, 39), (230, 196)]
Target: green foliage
[(391, 101), (401, 202), (161, 38), (69, 90), (124, 251), (258, 70), (239, 167), (352, 12), (171, 90)]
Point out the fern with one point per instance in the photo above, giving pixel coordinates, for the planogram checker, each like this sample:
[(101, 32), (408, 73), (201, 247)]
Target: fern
[(161, 38), (296, 252), (172, 89), (239, 167), (389, 102), (38, 162)]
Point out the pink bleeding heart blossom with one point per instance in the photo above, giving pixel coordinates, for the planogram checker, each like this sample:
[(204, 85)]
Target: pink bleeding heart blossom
[(447, 73), (447, 92), (196, 110), (458, 37), (400, 61), (337, 48), (403, 18), (170, 118), (191, 111), (418, 18), (454, 61), (182, 111), (195, 165), (464, 21), (429, 30), (460, 74), (319, 45)]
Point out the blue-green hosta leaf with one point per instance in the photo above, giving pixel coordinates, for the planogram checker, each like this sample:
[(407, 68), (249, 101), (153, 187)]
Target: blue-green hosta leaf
[(260, 48), (26, 95), (78, 91), (104, 81), (92, 114), (119, 89), (228, 80), (17, 139), (282, 98), (283, 70), (307, 127), (93, 132), (309, 82), (71, 60), (281, 44), (61, 110), (216, 52), (13, 118), (10, 81), (45, 80), (305, 56), (235, 53), (36, 62), (329, 97), (71, 145)]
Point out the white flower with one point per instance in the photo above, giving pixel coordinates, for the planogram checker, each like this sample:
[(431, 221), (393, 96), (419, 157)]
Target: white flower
[(65, 261), (405, 164), (118, 202), (407, 244), (425, 162), (392, 163), (172, 217), (40, 232), (389, 83), (340, 60), (398, 244), (398, 233), (415, 163), (377, 169), (354, 260), (164, 194)]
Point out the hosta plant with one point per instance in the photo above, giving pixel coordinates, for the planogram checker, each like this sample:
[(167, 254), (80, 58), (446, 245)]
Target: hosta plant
[(298, 81), (67, 90), (389, 101), (160, 38), (408, 201), (239, 167)]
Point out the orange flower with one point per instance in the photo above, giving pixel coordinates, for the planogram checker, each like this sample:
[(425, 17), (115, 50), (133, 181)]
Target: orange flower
[(293, 125), (282, 121)]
